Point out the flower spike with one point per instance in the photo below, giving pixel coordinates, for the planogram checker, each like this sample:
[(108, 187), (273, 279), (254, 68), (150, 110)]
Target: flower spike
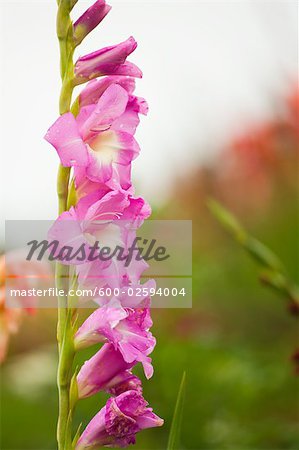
[(95, 141)]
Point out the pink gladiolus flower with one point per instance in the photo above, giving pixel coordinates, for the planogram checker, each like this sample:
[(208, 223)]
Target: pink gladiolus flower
[(90, 221), (108, 371), (117, 276), (84, 224), (127, 330), (100, 139), (99, 217), (107, 61), (117, 423), (90, 19)]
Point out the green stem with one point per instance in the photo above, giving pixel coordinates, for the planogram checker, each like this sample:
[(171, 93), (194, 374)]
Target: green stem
[(65, 328)]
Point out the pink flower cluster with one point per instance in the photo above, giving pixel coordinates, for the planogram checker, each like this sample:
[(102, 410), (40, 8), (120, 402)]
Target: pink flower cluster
[(99, 144)]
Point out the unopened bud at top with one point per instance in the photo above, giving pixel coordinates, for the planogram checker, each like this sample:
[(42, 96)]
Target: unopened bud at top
[(90, 19)]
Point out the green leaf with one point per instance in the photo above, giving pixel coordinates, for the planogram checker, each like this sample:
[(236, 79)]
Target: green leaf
[(280, 283), (74, 390), (273, 271), (174, 435), (228, 220), (263, 255), (255, 248), (275, 280), (76, 107)]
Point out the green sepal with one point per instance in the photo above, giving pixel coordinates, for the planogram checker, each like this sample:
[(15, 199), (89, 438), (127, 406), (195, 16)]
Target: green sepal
[(72, 195), (74, 390), (80, 33), (75, 107), (77, 435)]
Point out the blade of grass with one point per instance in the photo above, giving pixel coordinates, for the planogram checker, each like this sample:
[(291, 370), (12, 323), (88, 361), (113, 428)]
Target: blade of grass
[(175, 429)]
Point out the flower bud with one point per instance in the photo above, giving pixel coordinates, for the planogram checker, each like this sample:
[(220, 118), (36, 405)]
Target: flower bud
[(90, 19), (107, 61)]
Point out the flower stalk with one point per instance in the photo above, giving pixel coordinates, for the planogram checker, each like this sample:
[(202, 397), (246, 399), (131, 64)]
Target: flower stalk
[(65, 333)]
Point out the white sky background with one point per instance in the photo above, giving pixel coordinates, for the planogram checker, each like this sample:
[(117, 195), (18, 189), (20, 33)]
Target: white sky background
[(209, 67)]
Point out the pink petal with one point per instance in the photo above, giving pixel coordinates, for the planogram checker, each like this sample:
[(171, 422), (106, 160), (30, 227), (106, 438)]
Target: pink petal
[(110, 106), (66, 139), (128, 148), (110, 207), (92, 275), (127, 69), (107, 148), (129, 120), (95, 88), (67, 230), (97, 372), (100, 324), (137, 211)]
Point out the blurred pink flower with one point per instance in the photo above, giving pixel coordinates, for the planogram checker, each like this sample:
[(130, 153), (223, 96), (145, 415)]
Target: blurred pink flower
[(18, 273), (10, 319)]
